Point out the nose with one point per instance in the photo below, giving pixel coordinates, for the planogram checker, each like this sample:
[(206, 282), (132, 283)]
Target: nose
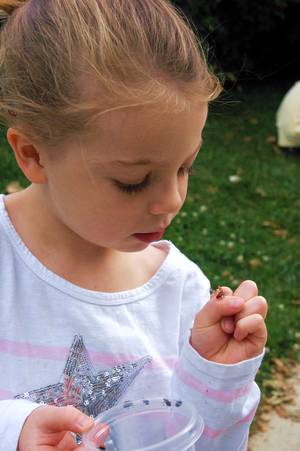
[(168, 199)]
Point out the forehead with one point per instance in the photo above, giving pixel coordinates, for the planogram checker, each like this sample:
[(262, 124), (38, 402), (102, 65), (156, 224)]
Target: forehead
[(142, 132)]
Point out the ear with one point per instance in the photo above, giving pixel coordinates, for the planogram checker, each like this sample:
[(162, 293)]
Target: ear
[(27, 155)]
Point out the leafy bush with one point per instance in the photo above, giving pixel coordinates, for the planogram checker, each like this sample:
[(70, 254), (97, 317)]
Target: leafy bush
[(253, 39)]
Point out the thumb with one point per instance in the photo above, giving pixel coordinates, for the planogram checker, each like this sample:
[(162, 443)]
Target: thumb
[(65, 419), (214, 310)]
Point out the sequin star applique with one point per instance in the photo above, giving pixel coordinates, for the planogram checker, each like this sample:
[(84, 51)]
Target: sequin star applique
[(81, 386)]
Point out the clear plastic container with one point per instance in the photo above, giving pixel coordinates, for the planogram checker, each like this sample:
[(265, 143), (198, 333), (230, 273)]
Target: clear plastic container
[(148, 425)]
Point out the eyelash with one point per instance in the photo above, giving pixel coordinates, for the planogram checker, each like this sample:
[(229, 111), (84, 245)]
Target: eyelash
[(133, 189)]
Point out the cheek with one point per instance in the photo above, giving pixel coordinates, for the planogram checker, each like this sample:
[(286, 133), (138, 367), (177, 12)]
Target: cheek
[(93, 206), (97, 213)]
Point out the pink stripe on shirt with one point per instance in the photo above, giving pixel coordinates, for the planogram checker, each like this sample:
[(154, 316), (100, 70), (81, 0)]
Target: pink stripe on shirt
[(5, 394), (249, 417), (213, 433), (37, 351), (29, 350), (218, 395)]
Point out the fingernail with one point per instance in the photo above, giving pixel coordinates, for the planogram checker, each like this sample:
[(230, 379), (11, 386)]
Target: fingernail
[(236, 335), (103, 432), (228, 323), (236, 303), (85, 422)]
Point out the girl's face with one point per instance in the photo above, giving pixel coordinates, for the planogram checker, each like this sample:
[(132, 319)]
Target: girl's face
[(130, 178)]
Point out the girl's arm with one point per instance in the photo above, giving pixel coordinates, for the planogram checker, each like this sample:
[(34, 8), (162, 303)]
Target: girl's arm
[(218, 376)]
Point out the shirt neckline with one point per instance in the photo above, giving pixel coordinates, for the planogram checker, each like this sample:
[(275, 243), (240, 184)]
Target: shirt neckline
[(95, 297)]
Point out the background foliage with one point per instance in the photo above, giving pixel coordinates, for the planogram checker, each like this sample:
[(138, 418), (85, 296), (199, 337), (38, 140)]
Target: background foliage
[(249, 39)]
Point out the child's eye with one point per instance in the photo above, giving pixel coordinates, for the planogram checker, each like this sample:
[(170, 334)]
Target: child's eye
[(131, 189), (136, 188), (187, 170)]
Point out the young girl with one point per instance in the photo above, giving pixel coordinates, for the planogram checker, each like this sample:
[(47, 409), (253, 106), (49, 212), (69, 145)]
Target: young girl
[(105, 102)]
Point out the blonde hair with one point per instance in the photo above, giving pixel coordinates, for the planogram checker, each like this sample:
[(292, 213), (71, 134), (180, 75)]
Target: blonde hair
[(65, 62)]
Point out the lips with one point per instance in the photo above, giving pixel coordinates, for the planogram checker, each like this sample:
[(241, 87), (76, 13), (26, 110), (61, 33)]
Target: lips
[(149, 237)]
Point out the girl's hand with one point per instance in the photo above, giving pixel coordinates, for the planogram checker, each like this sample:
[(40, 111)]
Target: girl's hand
[(232, 328), (48, 429)]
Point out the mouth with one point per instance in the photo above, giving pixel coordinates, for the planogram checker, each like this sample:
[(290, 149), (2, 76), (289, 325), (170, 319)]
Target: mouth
[(149, 237)]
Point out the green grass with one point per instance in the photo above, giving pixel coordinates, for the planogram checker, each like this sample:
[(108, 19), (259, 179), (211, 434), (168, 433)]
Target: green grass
[(231, 230), (250, 229)]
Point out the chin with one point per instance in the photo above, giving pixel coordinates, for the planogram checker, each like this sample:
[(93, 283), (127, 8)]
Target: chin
[(135, 246)]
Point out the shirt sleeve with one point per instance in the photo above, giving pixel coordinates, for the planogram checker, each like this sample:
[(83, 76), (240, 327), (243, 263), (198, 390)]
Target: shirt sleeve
[(13, 414), (226, 396)]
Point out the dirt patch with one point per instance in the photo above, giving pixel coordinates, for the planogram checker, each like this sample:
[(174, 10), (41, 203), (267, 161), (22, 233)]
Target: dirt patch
[(278, 422)]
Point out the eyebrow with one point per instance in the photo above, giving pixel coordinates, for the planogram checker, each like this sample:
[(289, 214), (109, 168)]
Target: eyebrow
[(147, 161)]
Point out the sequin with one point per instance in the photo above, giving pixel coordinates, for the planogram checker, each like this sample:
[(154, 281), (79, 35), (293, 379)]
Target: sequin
[(89, 391)]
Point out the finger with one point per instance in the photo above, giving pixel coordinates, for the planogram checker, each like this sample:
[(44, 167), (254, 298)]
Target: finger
[(247, 290), (68, 443), (257, 304), (67, 418), (214, 310), (253, 324), (226, 291), (99, 434), (228, 325)]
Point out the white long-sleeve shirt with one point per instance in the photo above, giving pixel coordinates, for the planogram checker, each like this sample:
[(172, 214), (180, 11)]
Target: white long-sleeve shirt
[(40, 313)]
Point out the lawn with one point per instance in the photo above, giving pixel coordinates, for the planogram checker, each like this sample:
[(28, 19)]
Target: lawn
[(245, 226), (248, 226)]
